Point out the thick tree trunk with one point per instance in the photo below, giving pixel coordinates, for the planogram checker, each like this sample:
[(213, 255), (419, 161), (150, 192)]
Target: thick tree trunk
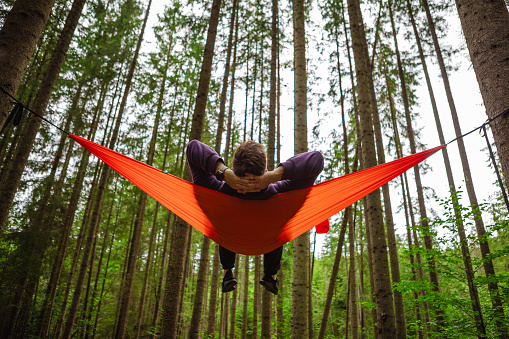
[(19, 35), (11, 182), (41, 102), (476, 307), (485, 26), (382, 286), (486, 29)]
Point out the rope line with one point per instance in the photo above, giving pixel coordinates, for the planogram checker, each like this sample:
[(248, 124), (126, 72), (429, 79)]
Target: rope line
[(29, 110), (487, 122)]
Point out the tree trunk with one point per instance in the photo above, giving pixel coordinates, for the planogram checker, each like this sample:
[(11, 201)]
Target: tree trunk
[(354, 323), (256, 297), (41, 102), (474, 296), (300, 284), (382, 288), (422, 207), (222, 104), (280, 318), (486, 28), (233, 312), (272, 103), (246, 297), (179, 236), (19, 35), (138, 224), (214, 286), (333, 275), (229, 128)]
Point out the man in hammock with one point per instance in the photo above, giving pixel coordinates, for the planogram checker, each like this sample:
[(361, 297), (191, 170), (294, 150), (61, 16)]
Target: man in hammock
[(249, 179)]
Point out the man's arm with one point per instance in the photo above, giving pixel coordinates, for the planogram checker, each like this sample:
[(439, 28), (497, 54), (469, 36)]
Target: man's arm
[(202, 161), (300, 171)]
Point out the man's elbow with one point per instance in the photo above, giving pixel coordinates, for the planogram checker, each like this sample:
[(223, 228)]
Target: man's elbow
[(317, 162)]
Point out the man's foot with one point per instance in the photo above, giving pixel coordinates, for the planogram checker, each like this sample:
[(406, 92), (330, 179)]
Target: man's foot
[(270, 284), (229, 282)]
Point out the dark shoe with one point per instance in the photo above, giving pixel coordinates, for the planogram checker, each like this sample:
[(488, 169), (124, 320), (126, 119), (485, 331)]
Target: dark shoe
[(229, 282), (269, 284)]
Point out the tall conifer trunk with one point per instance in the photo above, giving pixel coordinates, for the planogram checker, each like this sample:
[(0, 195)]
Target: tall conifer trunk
[(422, 207), (382, 288), (474, 296), (138, 224), (103, 181), (11, 183), (486, 29), (485, 26), (177, 257), (19, 35), (40, 104), (301, 283)]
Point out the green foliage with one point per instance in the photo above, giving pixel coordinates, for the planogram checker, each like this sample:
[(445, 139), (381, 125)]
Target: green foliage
[(453, 297)]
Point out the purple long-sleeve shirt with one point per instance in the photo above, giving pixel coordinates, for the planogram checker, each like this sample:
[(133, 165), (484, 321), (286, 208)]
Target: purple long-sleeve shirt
[(300, 171)]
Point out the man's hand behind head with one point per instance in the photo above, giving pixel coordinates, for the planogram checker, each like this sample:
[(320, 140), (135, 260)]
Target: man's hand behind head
[(253, 183)]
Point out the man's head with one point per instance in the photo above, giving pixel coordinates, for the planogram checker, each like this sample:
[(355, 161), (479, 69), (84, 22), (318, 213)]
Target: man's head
[(249, 158)]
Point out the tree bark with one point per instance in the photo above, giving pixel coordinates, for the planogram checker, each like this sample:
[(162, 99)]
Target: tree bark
[(177, 257), (382, 286), (19, 35), (246, 297), (40, 104), (474, 296), (300, 283), (214, 284), (233, 311), (256, 297), (333, 275), (486, 29)]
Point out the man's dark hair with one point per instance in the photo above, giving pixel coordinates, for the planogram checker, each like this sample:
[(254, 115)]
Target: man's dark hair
[(249, 158)]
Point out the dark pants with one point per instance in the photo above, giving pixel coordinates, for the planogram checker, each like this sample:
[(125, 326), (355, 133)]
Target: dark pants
[(271, 260)]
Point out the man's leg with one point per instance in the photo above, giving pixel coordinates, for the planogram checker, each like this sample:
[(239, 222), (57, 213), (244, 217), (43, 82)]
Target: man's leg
[(272, 262), (271, 265), (227, 258)]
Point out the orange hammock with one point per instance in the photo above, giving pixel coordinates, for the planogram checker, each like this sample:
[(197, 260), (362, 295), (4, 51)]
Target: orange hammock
[(253, 227)]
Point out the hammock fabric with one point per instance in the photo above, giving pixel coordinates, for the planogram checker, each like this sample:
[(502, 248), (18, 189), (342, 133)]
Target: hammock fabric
[(253, 227)]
